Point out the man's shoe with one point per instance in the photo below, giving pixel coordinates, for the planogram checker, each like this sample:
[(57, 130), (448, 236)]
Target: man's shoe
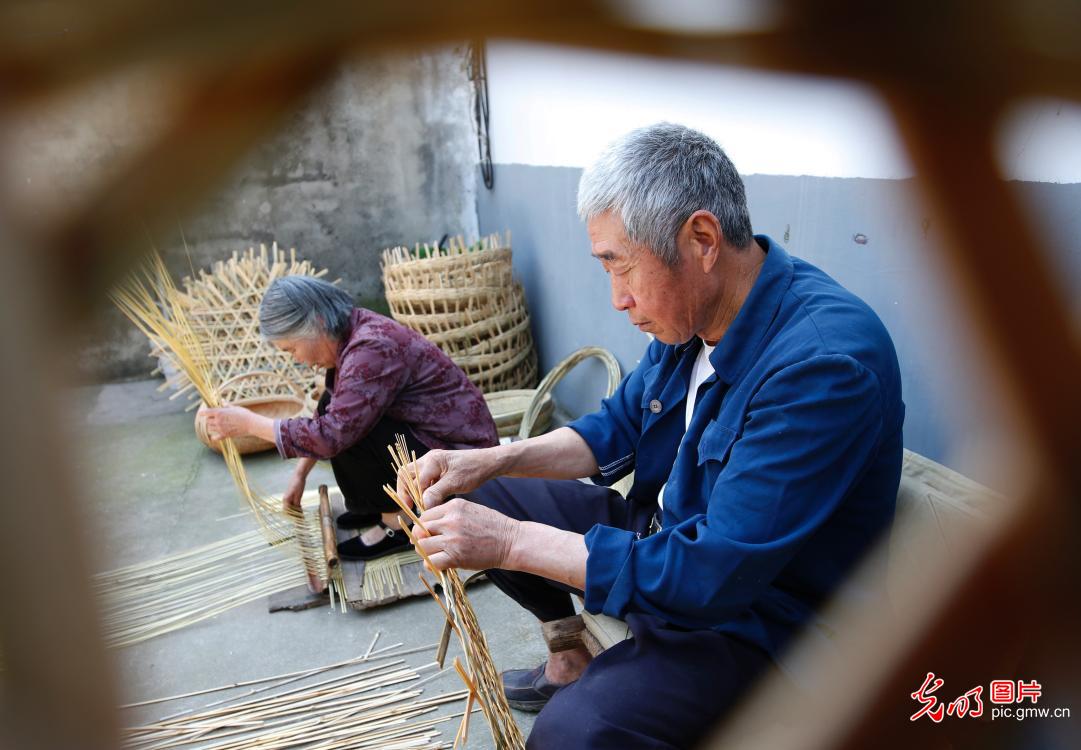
[(528, 689), (394, 540), (354, 520)]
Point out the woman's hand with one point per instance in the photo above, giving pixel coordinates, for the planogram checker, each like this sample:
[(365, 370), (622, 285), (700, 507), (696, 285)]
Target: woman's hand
[(461, 534), (229, 422), (444, 473), (293, 492)]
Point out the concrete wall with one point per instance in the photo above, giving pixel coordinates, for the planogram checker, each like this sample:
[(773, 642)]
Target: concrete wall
[(384, 155)]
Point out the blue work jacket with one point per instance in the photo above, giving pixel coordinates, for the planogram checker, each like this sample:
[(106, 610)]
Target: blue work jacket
[(787, 473)]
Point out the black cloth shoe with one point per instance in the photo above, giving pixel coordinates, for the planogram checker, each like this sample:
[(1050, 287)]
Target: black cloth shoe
[(394, 540), (353, 520), (528, 689)]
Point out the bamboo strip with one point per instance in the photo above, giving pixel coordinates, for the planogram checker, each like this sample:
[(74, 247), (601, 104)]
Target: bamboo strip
[(485, 682), (363, 708)]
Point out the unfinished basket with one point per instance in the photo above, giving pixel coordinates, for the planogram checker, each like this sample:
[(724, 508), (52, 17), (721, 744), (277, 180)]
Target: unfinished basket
[(281, 400), (464, 300), (222, 306)]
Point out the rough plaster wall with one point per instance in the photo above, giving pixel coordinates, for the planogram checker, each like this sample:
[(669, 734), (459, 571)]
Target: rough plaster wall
[(385, 155)]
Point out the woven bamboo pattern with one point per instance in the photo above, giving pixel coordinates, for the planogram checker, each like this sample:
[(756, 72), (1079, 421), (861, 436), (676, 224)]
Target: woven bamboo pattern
[(464, 299), (222, 307), (508, 408)]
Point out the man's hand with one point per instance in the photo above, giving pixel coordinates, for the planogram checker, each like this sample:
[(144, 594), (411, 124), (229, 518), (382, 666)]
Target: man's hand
[(444, 473), (228, 422), (293, 492), (461, 534)]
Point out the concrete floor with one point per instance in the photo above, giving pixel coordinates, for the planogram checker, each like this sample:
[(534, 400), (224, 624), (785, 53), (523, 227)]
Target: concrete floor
[(157, 490)]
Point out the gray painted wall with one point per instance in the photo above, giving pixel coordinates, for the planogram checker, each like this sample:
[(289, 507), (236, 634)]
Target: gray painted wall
[(385, 155), (952, 416)]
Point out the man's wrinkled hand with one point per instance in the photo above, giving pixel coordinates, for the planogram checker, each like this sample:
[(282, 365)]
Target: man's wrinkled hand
[(461, 534), (444, 473)]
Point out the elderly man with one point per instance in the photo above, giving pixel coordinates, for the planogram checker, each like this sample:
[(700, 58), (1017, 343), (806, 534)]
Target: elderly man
[(763, 426)]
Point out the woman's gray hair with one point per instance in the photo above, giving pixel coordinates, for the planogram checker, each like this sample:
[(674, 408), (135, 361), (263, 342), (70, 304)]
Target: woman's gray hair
[(655, 177), (302, 307)]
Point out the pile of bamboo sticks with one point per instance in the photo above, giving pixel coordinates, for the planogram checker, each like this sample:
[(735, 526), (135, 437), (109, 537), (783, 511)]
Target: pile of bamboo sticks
[(482, 680), (373, 701), (149, 599)]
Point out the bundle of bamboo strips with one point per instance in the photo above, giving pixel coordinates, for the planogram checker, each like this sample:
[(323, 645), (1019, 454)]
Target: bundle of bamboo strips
[(483, 682), (367, 706), (152, 302), (149, 599)]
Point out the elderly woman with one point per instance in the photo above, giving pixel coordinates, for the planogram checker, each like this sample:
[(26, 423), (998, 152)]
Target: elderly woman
[(382, 378)]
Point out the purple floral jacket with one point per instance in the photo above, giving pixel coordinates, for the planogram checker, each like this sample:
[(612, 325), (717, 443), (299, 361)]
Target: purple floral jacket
[(387, 369)]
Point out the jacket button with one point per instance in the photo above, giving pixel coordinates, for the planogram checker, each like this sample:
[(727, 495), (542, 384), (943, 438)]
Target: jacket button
[(655, 406)]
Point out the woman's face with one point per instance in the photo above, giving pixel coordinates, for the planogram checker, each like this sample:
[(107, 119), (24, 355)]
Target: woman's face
[(314, 351)]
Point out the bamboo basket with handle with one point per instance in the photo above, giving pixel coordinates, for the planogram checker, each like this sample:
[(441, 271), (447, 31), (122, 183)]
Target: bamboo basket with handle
[(534, 412)]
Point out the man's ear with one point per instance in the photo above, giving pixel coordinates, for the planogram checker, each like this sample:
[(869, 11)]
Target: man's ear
[(702, 234)]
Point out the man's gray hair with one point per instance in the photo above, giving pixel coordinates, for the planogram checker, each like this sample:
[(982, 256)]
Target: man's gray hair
[(303, 307), (655, 177)]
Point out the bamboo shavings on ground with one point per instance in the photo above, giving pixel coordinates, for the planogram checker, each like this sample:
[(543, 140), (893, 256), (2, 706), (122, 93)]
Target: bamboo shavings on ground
[(483, 682), (145, 600), (368, 706), (152, 302)]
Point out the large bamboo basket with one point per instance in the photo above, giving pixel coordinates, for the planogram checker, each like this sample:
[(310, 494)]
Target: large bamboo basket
[(222, 307), (279, 399), (464, 300)]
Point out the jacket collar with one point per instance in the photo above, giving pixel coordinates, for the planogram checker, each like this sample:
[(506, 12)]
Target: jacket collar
[(741, 342)]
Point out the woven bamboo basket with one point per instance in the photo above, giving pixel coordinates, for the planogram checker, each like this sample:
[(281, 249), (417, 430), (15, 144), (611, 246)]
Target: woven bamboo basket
[(464, 300), (528, 412), (508, 408), (222, 307), (279, 399)]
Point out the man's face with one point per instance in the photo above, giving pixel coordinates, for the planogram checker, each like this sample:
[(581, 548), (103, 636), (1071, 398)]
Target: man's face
[(658, 299)]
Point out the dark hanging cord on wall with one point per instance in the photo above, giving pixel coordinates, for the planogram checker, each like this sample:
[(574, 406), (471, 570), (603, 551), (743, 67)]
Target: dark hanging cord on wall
[(478, 74)]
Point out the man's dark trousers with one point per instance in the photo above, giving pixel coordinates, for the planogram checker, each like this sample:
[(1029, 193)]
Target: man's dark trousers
[(664, 688)]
